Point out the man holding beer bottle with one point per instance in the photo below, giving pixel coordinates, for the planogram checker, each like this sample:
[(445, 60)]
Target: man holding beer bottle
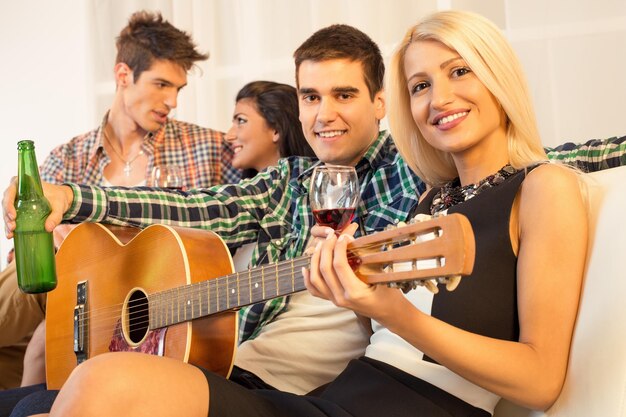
[(135, 134)]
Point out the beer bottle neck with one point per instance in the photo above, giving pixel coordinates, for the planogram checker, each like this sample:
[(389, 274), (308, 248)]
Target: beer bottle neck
[(28, 181)]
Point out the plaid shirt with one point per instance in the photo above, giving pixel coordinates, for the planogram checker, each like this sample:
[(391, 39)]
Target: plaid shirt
[(259, 209), (271, 209), (203, 154), (593, 155)]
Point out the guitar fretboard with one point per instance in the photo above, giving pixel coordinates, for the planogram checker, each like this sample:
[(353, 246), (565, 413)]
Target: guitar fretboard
[(243, 288)]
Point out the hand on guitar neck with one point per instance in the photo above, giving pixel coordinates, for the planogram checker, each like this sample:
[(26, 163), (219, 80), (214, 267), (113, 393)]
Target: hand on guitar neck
[(331, 276)]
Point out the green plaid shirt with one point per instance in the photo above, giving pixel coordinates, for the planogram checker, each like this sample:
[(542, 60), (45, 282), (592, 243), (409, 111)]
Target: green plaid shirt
[(593, 155), (272, 209)]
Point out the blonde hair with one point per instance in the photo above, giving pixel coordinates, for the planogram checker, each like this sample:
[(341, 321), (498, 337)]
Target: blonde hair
[(490, 56)]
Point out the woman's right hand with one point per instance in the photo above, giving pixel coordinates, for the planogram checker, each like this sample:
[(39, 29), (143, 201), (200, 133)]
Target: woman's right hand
[(330, 276), (60, 198)]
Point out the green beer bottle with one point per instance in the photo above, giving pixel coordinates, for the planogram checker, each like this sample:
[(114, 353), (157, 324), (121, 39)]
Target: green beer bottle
[(34, 247)]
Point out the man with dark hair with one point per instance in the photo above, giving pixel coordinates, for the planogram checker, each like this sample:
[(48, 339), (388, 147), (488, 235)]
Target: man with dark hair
[(284, 343), (136, 134), (343, 42), (148, 37), (298, 344)]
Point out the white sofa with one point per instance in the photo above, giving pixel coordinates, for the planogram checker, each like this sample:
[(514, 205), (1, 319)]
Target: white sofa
[(595, 385)]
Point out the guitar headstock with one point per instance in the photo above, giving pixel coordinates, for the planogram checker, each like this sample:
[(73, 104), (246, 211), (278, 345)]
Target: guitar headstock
[(439, 249)]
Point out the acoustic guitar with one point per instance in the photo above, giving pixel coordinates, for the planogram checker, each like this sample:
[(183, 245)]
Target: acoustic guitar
[(172, 291)]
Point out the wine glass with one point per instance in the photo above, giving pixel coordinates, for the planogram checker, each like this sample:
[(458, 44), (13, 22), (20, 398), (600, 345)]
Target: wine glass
[(334, 195), (167, 176)]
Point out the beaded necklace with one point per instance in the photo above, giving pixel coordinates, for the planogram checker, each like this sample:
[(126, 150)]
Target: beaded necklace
[(453, 193)]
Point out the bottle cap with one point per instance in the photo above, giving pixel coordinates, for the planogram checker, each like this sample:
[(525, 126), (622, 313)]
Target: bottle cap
[(25, 144)]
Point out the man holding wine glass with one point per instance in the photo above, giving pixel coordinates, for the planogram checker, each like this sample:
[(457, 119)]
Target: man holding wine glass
[(303, 343)]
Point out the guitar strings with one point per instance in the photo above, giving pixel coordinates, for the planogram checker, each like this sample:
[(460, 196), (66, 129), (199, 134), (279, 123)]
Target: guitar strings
[(197, 297), (101, 324), (184, 300), (187, 292), (261, 270), (183, 293)]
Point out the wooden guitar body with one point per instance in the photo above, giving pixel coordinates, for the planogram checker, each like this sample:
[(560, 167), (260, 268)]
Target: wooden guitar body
[(158, 258), (172, 292)]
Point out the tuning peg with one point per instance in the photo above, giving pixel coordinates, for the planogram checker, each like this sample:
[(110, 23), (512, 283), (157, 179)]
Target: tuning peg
[(421, 217), (431, 285), (453, 282), (395, 225), (405, 286)]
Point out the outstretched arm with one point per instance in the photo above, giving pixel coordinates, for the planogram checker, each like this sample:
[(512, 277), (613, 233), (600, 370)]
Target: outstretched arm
[(593, 155)]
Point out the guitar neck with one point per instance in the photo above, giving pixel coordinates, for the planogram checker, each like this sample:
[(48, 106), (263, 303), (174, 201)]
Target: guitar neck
[(229, 292), (448, 238)]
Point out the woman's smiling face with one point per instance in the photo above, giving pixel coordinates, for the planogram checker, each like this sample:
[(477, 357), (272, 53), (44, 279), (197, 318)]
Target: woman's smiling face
[(451, 107), (255, 143)]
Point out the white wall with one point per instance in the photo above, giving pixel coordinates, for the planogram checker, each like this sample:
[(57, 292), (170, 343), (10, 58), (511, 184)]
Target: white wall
[(45, 80), (573, 53), (55, 73)]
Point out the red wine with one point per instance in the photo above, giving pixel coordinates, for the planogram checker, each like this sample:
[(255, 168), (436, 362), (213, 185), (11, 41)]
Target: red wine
[(337, 218)]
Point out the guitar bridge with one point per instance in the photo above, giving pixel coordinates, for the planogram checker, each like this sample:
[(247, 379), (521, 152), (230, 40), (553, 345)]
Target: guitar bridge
[(81, 323)]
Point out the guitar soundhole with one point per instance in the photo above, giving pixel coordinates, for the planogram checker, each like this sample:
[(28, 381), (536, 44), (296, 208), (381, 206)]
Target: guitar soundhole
[(137, 319)]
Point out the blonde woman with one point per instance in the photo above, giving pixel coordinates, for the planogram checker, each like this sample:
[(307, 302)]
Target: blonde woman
[(462, 119)]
